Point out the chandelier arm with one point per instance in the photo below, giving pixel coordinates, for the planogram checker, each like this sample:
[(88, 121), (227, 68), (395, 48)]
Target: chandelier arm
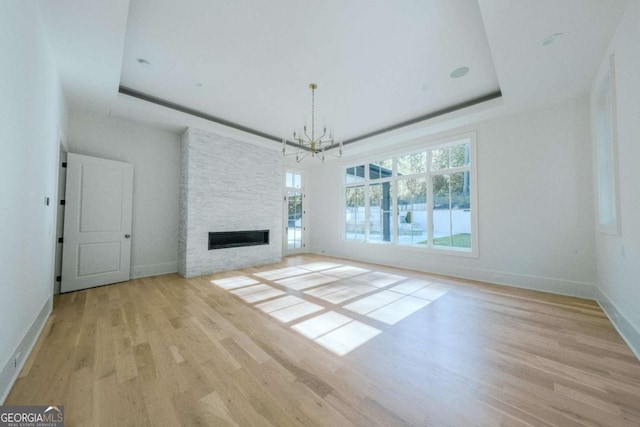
[(299, 159)]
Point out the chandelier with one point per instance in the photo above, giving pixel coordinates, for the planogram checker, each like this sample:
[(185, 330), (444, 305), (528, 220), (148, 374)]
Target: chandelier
[(308, 144)]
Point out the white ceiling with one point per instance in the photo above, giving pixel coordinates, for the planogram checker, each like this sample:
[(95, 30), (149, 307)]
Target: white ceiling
[(87, 38), (377, 63), (531, 74)]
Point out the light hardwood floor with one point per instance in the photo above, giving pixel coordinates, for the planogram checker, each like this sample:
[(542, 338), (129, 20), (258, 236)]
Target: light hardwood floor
[(171, 351)]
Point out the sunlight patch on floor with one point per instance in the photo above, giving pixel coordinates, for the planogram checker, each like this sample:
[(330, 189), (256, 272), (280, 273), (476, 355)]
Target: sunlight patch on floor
[(348, 293), (409, 287), (317, 266), (378, 279), (257, 293), (306, 281), (398, 310), (382, 297), (281, 273), (234, 282), (279, 303), (345, 271), (347, 338), (368, 304), (321, 324), (296, 311)]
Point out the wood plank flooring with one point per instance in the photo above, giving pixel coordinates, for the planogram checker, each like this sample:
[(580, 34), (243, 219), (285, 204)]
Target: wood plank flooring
[(168, 351)]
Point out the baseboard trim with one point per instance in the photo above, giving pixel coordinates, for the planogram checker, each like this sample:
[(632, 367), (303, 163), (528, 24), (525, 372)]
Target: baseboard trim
[(9, 372), (626, 330), (147, 270), (524, 281)]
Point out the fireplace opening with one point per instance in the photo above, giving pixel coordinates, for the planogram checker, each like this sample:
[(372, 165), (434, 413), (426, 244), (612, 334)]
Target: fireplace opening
[(234, 239)]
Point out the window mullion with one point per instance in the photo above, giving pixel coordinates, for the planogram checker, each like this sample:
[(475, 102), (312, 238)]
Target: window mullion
[(450, 215), (450, 170), (366, 211), (429, 180)]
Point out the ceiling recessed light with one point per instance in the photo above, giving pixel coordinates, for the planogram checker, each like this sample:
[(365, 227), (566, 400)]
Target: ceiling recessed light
[(551, 39), (459, 72), (143, 62)]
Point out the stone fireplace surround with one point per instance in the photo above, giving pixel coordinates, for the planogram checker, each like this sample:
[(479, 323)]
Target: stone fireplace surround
[(227, 185)]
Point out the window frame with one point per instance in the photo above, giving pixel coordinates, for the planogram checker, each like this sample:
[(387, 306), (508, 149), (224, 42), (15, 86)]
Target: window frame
[(428, 147), (302, 191)]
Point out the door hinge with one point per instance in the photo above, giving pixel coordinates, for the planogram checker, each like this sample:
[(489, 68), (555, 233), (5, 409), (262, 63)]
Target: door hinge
[(58, 278), (60, 240), (64, 164), (62, 202)]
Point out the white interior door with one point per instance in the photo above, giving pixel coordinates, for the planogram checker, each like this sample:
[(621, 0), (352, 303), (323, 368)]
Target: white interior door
[(97, 222)]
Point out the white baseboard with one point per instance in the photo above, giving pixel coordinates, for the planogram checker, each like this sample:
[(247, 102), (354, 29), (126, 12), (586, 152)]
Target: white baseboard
[(626, 330), (138, 271), (11, 369), (517, 280)]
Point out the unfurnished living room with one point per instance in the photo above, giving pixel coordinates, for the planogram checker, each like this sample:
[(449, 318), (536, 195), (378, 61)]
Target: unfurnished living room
[(331, 213)]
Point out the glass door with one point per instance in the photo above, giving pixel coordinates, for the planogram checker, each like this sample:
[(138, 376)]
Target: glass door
[(294, 213)]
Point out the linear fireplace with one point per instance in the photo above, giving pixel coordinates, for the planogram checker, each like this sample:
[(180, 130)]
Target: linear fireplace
[(234, 239)]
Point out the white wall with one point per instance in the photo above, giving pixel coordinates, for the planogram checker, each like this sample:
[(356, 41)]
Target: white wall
[(155, 155), (32, 121), (618, 257), (535, 206)]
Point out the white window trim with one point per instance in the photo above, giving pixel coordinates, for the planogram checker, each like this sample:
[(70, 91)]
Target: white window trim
[(473, 252)]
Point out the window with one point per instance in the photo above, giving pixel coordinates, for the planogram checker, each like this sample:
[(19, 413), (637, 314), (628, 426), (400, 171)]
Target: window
[(421, 199), (355, 229), (293, 180), (380, 212), (412, 211), (354, 174), (294, 199), (451, 186)]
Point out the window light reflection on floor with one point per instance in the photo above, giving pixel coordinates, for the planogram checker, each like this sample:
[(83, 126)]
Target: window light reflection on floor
[(234, 282), (306, 281), (362, 292), (281, 273)]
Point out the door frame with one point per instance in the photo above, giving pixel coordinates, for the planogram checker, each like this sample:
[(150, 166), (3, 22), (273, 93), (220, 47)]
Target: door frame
[(61, 183), (285, 210)]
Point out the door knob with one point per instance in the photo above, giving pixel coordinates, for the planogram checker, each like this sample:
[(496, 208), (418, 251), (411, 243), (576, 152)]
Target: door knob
[(126, 236)]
